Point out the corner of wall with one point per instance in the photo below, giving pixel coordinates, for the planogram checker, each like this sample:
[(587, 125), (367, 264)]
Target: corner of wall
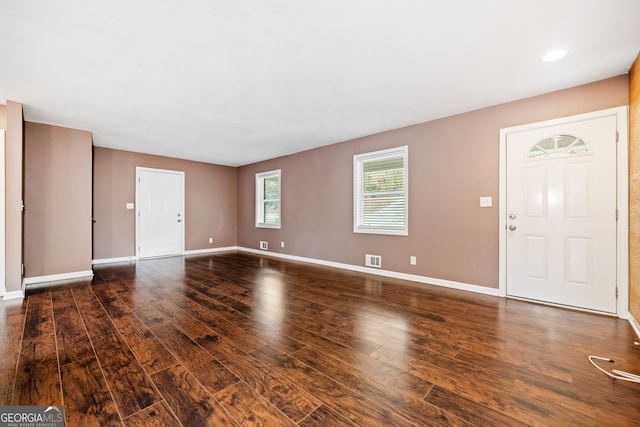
[(634, 189), (13, 196)]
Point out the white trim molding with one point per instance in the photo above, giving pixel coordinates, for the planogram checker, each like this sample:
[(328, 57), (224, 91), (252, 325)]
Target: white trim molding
[(386, 273), (113, 260), (211, 250), (13, 295), (3, 289), (54, 277)]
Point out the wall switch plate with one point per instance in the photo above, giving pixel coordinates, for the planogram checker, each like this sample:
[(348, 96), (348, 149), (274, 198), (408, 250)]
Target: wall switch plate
[(412, 260), (486, 202), (282, 244), (210, 239), (129, 205)]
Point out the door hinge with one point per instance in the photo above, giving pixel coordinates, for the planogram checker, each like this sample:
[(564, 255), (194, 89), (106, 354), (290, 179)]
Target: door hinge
[(616, 292), (616, 214), (617, 136)]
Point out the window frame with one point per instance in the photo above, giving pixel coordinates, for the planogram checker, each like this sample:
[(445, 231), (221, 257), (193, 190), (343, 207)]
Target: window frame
[(260, 199), (358, 193)]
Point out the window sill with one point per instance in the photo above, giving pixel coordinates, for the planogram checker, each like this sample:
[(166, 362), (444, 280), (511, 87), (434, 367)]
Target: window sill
[(381, 231), (261, 225)]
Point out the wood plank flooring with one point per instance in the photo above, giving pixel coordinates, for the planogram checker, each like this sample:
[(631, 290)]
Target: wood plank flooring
[(239, 339)]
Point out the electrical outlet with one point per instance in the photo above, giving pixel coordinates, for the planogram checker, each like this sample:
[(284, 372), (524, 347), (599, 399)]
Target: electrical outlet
[(264, 245), (412, 260), (210, 239), (282, 244)]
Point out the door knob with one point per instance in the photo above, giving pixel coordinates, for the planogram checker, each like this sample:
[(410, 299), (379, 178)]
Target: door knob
[(512, 227), (179, 220)]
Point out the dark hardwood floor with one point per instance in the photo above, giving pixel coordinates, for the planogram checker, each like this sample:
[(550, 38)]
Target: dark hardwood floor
[(237, 339)]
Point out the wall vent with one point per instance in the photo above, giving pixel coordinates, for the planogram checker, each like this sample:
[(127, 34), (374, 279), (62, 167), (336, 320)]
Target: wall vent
[(264, 245), (373, 261)]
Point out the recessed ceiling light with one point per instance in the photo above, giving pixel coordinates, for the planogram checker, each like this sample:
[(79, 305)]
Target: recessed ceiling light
[(554, 55)]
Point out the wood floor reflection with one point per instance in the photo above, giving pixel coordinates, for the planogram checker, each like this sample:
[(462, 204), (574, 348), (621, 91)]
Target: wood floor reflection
[(238, 339)]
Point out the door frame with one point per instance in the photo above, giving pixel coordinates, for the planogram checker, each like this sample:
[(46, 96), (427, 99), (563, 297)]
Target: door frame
[(622, 199), (137, 212), (3, 241)]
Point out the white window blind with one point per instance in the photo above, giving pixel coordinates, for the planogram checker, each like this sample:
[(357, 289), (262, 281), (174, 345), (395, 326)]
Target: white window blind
[(380, 193), (268, 199)]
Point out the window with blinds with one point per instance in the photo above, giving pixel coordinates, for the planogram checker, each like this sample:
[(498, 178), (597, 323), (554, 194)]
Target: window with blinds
[(380, 192), (268, 199)]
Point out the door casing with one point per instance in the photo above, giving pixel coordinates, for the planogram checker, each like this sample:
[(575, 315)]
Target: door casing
[(622, 203), (3, 289)]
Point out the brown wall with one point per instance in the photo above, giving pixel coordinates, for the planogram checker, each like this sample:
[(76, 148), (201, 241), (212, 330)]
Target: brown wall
[(634, 189), (13, 196), (210, 202), (57, 196), (3, 117), (452, 163)]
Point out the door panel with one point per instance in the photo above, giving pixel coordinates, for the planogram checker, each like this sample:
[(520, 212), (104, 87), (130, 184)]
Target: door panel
[(535, 257), (561, 214), (578, 191), (578, 253), (160, 212), (536, 191)]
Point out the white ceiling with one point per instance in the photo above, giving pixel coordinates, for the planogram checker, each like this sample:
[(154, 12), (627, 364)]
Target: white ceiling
[(238, 81)]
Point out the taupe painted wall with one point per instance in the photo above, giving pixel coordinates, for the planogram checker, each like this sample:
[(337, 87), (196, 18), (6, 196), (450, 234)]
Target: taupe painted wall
[(13, 196), (452, 163), (57, 196), (3, 117), (634, 189), (210, 202)]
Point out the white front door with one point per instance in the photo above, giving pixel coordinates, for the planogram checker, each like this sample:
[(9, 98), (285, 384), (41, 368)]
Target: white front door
[(561, 210), (160, 212)]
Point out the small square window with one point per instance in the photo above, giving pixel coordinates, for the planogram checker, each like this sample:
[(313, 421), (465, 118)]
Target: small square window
[(381, 192), (268, 199)]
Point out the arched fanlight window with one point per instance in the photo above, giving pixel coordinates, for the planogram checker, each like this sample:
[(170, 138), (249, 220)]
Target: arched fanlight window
[(558, 146)]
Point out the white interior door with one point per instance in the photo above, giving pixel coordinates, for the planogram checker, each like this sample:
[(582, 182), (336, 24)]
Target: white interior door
[(160, 212), (561, 214)]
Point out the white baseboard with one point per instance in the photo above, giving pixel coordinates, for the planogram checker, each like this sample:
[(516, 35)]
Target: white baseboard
[(55, 277), (211, 250), (191, 252), (386, 273), (13, 295), (635, 325), (112, 260)]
